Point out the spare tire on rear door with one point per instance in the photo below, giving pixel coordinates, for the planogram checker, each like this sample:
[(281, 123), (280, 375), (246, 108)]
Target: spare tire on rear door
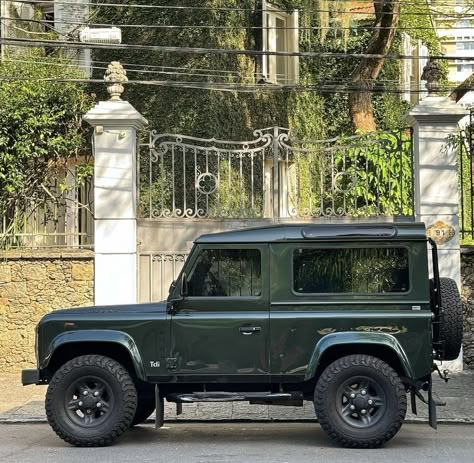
[(448, 333)]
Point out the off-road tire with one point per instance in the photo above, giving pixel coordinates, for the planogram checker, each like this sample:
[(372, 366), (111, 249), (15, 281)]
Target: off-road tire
[(146, 402), (120, 415), (451, 321), (325, 403)]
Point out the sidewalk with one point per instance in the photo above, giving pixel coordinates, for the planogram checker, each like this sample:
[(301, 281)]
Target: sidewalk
[(20, 404)]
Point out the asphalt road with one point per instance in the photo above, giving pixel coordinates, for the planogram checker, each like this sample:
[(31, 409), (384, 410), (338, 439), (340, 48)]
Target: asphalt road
[(238, 442)]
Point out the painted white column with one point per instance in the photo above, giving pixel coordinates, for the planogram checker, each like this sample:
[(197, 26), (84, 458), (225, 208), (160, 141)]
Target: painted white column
[(434, 119), (116, 124)]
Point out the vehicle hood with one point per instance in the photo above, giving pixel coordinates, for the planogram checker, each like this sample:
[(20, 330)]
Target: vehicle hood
[(157, 307)]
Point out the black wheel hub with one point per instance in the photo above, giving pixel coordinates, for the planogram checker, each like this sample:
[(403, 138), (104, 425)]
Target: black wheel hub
[(89, 401), (360, 402)]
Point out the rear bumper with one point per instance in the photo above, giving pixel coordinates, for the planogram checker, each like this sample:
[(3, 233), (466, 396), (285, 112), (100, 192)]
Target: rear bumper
[(30, 376)]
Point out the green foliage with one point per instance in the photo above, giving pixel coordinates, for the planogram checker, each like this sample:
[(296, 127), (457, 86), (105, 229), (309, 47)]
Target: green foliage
[(40, 130), (201, 113), (312, 115), (361, 176)]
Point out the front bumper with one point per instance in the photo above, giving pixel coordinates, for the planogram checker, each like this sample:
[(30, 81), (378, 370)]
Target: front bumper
[(30, 376)]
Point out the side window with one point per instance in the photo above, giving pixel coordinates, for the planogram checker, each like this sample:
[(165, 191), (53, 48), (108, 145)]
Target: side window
[(357, 270), (226, 272)]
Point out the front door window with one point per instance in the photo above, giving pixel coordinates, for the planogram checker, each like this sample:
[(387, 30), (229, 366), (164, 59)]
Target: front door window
[(226, 272)]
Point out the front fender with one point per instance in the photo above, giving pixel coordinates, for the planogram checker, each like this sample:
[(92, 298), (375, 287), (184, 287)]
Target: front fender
[(101, 336), (356, 337)]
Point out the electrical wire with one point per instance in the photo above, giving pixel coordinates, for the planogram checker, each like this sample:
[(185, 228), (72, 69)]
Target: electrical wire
[(230, 9), (146, 71), (214, 27), (20, 42), (249, 88)]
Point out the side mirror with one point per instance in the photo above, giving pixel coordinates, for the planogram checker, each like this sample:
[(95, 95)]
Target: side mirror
[(184, 286)]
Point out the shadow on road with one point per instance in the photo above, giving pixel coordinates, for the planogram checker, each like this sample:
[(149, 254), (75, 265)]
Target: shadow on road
[(300, 434)]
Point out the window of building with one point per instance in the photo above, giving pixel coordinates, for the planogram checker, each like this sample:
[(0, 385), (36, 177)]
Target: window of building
[(280, 34), (465, 67), (47, 15), (350, 270), (463, 23), (465, 46), (226, 272)]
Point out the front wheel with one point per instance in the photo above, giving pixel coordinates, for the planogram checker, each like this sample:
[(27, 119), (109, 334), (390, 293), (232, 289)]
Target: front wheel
[(91, 401), (360, 401)]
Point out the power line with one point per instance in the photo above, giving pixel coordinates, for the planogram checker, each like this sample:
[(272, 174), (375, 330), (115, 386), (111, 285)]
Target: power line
[(321, 88), (212, 27), (146, 71), (217, 51), (162, 67), (231, 9)]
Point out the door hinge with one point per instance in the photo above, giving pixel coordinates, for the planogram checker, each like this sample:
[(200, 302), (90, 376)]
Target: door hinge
[(171, 363)]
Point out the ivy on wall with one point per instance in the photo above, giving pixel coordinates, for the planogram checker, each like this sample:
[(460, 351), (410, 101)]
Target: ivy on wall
[(232, 115), (227, 115)]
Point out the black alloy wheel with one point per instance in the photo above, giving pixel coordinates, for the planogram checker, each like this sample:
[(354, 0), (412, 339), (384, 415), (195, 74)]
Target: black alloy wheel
[(360, 401), (88, 401), (91, 401)]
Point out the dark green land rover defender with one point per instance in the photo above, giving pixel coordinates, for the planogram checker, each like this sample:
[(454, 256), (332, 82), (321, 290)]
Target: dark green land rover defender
[(345, 316)]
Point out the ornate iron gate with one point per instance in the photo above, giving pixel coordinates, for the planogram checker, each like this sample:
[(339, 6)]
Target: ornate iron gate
[(277, 176), (190, 186)]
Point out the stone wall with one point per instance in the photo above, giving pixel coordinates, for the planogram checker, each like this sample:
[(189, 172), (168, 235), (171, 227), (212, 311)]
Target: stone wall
[(467, 275), (33, 283)]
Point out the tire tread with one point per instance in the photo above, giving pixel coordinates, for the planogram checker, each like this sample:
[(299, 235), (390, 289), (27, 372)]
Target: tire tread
[(451, 326), (129, 400), (329, 376)]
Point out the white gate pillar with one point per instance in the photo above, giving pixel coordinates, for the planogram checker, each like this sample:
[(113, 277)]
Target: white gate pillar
[(433, 120), (116, 124)]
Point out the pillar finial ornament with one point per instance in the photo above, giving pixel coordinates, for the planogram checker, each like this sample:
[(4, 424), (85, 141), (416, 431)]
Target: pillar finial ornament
[(115, 76), (433, 74)]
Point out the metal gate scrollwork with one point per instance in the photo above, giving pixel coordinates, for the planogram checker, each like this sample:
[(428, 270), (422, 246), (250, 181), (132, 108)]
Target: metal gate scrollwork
[(277, 176)]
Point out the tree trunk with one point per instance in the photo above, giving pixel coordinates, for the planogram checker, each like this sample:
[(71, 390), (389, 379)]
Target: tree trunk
[(363, 79)]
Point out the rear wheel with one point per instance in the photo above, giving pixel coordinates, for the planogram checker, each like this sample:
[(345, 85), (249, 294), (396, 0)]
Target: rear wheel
[(360, 401), (91, 401)]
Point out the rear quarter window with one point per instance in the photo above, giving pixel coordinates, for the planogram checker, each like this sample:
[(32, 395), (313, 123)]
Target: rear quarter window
[(351, 270)]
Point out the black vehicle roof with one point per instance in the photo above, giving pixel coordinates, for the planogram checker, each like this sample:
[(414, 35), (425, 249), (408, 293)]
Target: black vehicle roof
[(320, 232)]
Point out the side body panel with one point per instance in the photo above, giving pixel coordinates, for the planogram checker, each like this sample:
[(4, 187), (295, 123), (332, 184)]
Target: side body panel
[(303, 326)]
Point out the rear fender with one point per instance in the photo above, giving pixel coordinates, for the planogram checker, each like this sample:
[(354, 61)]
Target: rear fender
[(360, 338)]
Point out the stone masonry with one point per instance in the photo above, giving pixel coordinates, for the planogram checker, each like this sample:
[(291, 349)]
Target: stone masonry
[(467, 273), (33, 283)]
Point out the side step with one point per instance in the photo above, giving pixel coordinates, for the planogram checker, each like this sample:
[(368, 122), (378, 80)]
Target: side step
[(280, 398)]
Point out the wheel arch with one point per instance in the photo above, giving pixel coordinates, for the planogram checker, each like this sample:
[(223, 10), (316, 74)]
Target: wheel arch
[(114, 344), (334, 346)]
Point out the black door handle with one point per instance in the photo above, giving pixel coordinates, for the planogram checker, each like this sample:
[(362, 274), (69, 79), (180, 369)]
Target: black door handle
[(248, 330)]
